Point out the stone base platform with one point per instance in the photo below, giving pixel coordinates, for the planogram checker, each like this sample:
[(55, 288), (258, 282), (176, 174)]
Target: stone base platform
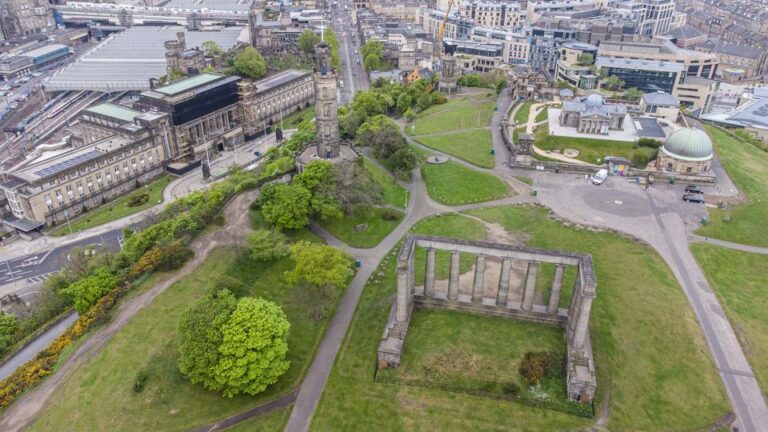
[(346, 154)]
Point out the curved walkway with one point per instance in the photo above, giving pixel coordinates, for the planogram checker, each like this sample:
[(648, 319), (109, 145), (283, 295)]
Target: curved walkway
[(695, 238)]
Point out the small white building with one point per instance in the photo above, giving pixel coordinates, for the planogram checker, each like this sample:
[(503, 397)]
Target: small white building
[(661, 105)]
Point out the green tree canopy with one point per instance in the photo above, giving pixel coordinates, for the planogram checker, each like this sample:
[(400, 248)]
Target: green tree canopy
[(318, 264), (315, 174), (253, 348), (8, 327), (86, 291), (211, 48), (634, 93), (405, 160), (613, 82), (233, 346), (382, 134), (307, 41), (201, 336), (266, 245), (250, 63), (372, 62), (318, 177), (285, 206), (585, 59)]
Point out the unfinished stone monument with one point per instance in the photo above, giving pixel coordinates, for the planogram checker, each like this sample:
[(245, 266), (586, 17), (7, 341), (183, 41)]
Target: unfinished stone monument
[(575, 319)]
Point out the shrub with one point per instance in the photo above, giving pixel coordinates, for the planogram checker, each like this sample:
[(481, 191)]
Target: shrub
[(140, 381), (266, 245), (161, 258), (138, 200), (649, 142), (535, 366), (391, 214)]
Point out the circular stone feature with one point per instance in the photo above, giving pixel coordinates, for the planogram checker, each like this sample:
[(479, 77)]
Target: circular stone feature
[(435, 159), (571, 153)]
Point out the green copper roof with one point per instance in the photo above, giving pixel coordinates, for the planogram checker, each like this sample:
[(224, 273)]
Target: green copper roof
[(690, 145), (114, 111), (187, 84)]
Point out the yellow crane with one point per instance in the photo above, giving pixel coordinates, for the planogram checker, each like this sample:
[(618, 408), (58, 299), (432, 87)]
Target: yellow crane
[(441, 30)]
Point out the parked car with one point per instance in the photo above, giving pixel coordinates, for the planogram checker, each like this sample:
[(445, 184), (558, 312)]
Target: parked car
[(693, 198), (5, 88), (599, 177), (693, 189), (13, 105)]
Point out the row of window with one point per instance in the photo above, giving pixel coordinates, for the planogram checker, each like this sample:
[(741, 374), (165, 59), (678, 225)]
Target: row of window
[(101, 162)]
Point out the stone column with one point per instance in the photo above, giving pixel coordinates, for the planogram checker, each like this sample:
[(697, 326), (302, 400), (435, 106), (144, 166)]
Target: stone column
[(582, 323), (453, 282), (429, 274), (401, 314), (503, 293), (530, 286), (479, 284), (557, 285)]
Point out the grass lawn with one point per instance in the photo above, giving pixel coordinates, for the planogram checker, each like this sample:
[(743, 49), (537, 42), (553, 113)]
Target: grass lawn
[(526, 180), (99, 395), (394, 194), (116, 209), (740, 280), (270, 422), (590, 150), (454, 184), (650, 355), (542, 115), (464, 112), (473, 353), (345, 228), (747, 166), (474, 146), (521, 116)]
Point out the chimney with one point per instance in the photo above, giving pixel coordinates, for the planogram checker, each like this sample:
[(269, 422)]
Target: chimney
[(182, 40)]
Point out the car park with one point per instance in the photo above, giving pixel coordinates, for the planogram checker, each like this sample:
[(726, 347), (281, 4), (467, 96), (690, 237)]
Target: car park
[(13, 105), (693, 198), (693, 189)]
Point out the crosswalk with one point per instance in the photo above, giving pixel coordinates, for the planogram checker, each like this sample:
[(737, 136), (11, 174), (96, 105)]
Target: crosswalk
[(39, 278)]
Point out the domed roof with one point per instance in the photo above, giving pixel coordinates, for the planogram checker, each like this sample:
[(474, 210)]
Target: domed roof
[(688, 144), (594, 100)]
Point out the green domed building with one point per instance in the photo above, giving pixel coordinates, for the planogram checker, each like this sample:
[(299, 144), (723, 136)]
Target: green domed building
[(686, 151)]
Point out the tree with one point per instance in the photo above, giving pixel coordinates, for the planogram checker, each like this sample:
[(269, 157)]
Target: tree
[(382, 134), (372, 62), (318, 264), (613, 82), (174, 75), (8, 327), (285, 206), (315, 174), (404, 160), (307, 41), (88, 290), (211, 48), (266, 245), (372, 47), (201, 336), (634, 93), (319, 179), (585, 59), (404, 102), (253, 348), (250, 63)]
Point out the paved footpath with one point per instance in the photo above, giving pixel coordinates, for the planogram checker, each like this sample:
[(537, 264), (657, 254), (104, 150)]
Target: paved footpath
[(729, 245)]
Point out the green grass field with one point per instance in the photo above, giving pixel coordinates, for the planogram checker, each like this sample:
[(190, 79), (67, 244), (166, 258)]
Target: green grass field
[(270, 422), (464, 112), (293, 120), (740, 280), (116, 209), (454, 184), (521, 116), (542, 115), (473, 146), (99, 395), (590, 150), (650, 356), (393, 193), (345, 228), (747, 166)]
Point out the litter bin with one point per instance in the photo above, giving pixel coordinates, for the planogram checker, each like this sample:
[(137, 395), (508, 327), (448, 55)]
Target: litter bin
[(534, 193), (493, 151), (358, 263)]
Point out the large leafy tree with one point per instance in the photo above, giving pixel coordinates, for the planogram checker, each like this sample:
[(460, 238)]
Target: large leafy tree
[(250, 63), (88, 290), (318, 177), (318, 264), (285, 206), (253, 348), (233, 346), (211, 48), (307, 41), (201, 336), (382, 134)]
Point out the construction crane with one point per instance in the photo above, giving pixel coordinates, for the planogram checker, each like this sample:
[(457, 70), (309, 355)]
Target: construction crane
[(441, 31)]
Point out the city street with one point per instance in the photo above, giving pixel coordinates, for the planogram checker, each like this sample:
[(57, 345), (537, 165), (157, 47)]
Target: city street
[(352, 74)]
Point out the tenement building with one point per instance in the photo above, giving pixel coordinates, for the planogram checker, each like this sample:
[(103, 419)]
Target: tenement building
[(25, 17), (204, 111), (267, 100), (48, 190)]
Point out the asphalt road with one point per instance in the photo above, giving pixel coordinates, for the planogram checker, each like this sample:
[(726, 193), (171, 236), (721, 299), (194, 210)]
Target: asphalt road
[(352, 74)]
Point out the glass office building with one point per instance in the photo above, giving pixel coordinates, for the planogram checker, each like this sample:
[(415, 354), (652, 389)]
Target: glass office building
[(646, 75)]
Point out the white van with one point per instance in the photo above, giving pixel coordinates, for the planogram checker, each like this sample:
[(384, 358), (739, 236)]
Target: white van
[(599, 177)]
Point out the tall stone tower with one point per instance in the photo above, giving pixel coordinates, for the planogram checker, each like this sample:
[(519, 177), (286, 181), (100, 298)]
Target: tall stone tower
[(326, 104)]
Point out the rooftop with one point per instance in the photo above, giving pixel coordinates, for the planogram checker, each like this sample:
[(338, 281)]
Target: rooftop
[(660, 99), (662, 66), (127, 60), (188, 83), (279, 79), (115, 111), (44, 50)]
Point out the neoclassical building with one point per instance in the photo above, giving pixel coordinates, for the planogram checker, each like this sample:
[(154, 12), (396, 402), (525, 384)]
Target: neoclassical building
[(592, 115), (267, 100), (686, 151)]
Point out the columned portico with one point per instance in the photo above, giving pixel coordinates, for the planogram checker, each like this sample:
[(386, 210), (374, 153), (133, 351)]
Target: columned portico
[(502, 295), (530, 286), (453, 283), (479, 284), (429, 274), (557, 285)]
